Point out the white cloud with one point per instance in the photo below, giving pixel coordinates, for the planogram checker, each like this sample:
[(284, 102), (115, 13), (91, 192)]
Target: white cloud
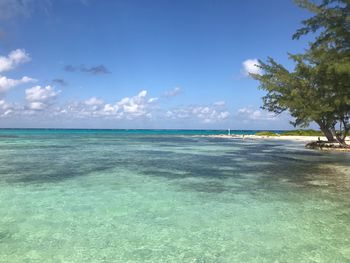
[(250, 66), (3, 105), (142, 94), (8, 109), (206, 114), (135, 106), (6, 83), (139, 106), (13, 59), (151, 100), (39, 93), (40, 98), (252, 114), (172, 93), (110, 109), (5, 108), (42, 104), (37, 105), (93, 101), (220, 103)]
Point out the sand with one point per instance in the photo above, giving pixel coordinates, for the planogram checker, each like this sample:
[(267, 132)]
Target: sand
[(305, 139)]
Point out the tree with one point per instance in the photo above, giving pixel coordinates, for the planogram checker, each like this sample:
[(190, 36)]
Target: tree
[(332, 17), (298, 91), (318, 88)]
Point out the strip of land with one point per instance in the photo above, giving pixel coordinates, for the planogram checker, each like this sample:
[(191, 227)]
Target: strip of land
[(296, 138), (276, 137)]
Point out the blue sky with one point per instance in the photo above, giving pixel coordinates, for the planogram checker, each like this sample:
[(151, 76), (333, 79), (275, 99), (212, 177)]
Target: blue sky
[(141, 64)]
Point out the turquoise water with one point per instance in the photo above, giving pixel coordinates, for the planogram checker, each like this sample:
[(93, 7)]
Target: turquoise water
[(166, 196)]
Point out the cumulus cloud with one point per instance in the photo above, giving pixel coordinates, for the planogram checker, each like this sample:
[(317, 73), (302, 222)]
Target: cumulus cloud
[(220, 103), (13, 59), (172, 93), (39, 93), (36, 105), (39, 98), (5, 108), (152, 100), (129, 108), (41, 103), (251, 66), (93, 101), (9, 62), (137, 105), (94, 70), (206, 114), (253, 114), (6, 83)]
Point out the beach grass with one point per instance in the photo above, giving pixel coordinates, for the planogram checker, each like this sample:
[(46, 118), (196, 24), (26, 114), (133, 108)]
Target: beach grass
[(266, 133), (302, 133)]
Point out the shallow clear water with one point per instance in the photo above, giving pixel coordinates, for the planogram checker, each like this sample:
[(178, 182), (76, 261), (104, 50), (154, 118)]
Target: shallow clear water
[(104, 196)]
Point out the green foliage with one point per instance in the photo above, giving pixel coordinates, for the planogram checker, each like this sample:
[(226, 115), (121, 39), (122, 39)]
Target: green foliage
[(332, 17), (318, 88), (302, 133), (266, 133), (300, 91)]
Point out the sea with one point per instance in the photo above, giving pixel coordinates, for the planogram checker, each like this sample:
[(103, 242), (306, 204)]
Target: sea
[(169, 196)]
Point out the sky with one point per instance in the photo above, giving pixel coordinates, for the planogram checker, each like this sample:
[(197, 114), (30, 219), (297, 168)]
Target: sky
[(171, 64)]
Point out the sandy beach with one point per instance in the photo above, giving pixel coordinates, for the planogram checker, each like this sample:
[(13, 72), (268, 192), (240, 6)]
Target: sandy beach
[(281, 137), (305, 139)]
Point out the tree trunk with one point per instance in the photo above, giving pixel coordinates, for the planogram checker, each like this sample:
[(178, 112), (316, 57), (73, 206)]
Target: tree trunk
[(326, 131), (346, 128), (343, 143), (341, 137)]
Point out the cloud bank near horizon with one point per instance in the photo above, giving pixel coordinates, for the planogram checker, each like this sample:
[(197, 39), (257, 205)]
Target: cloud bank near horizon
[(44, 103)]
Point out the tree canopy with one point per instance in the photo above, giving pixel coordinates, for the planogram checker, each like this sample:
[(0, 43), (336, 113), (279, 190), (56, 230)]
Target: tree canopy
[(332, 17), (318, 88)]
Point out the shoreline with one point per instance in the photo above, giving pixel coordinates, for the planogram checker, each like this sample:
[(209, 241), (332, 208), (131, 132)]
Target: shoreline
[(266, 137), (294, 138)]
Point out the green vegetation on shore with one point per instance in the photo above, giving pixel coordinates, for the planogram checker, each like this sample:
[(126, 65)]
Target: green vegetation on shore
[(302, 133), (266, 133), (291, 133)]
